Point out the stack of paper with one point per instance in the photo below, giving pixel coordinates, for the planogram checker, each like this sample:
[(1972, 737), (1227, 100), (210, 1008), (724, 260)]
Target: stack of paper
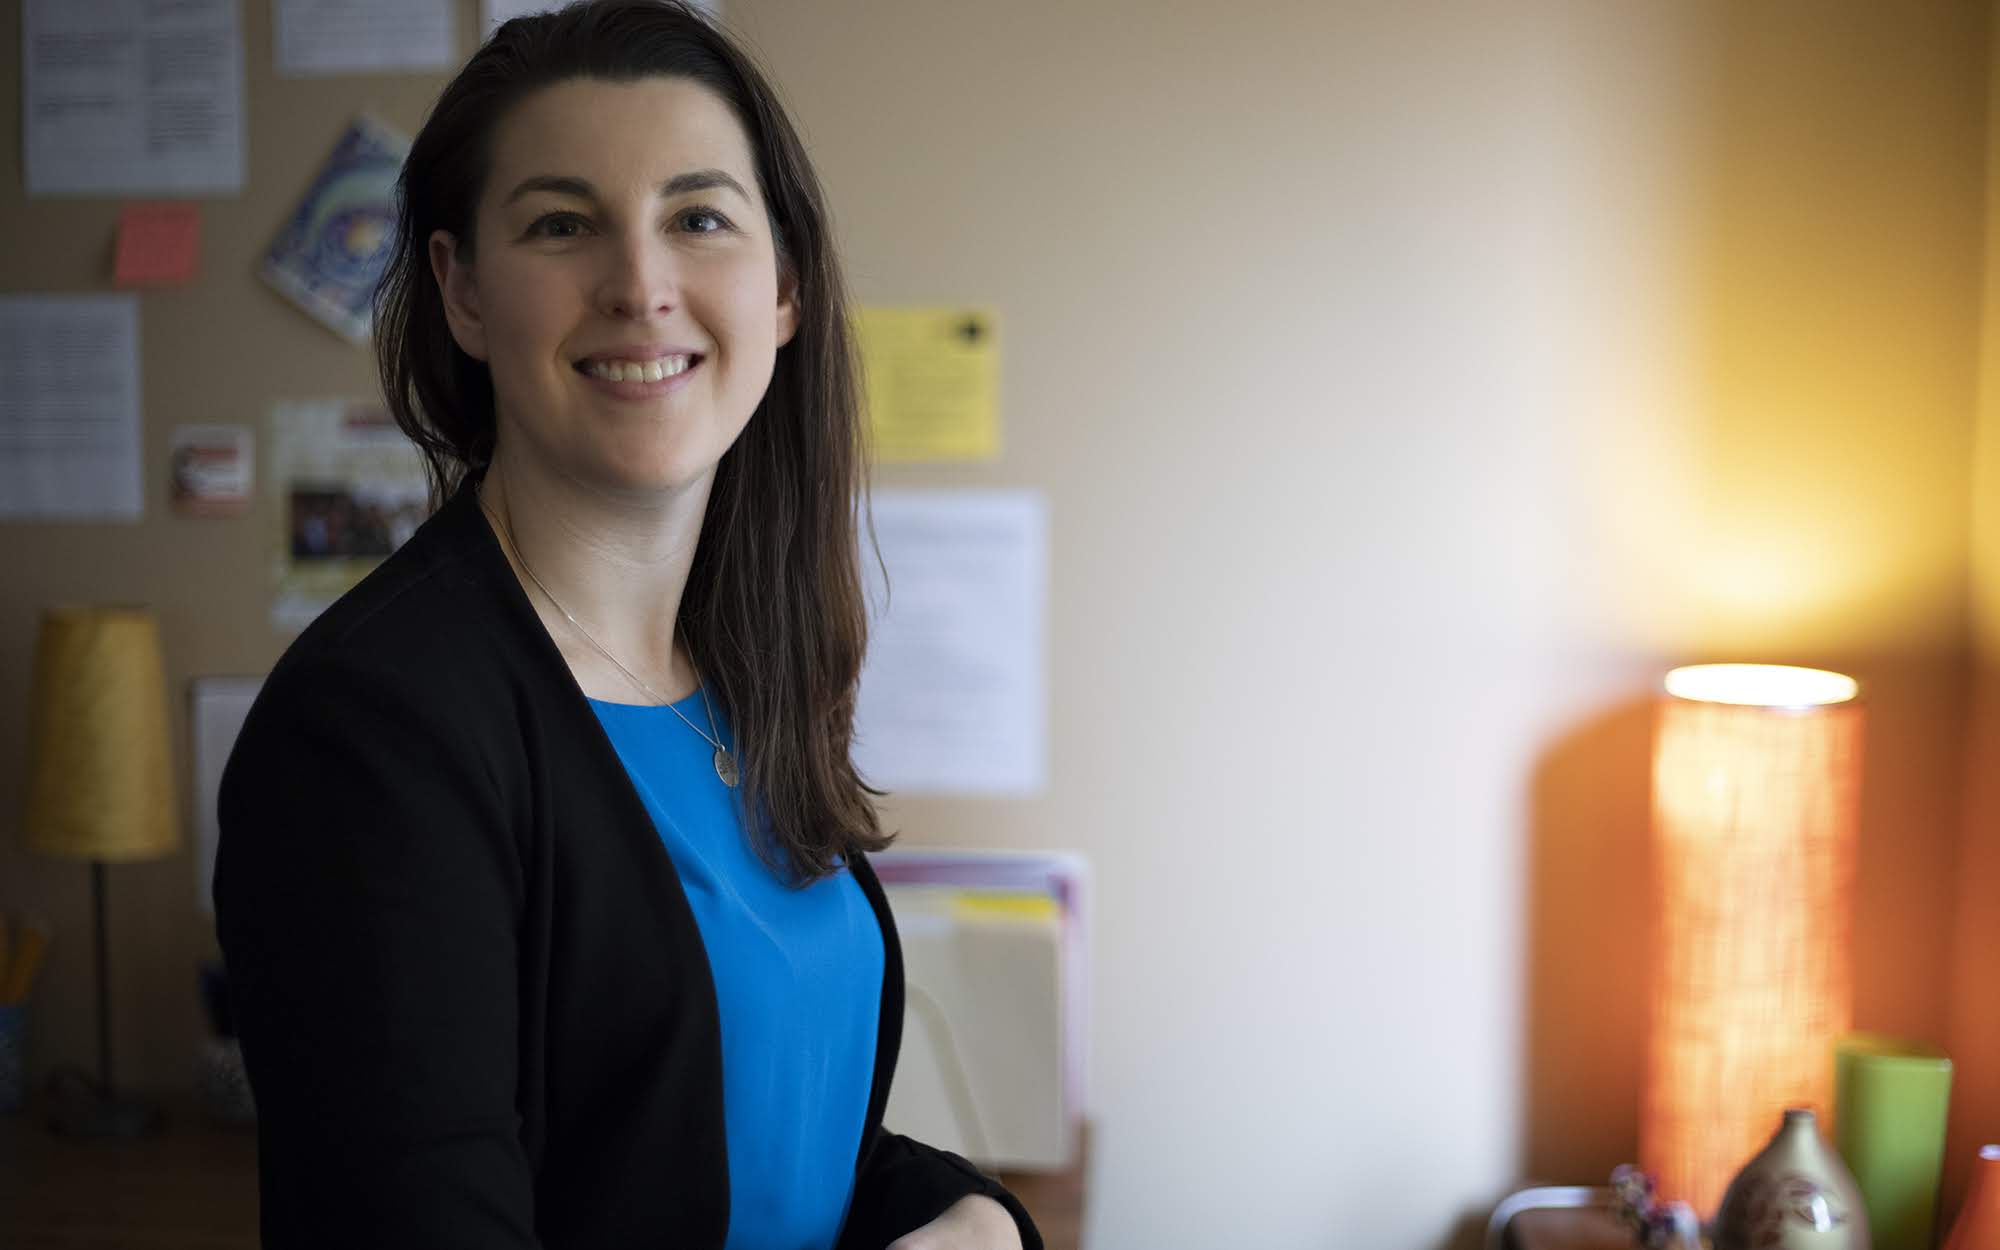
[(993, 1054)]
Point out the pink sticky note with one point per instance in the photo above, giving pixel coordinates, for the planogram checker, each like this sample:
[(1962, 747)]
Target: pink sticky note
[(158, 244)]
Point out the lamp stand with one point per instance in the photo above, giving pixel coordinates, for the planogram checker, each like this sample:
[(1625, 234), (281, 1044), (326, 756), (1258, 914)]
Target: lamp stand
[(82, 1107)]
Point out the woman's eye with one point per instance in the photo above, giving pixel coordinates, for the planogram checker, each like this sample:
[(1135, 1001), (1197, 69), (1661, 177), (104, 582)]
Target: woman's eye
[(703, 221), (557, 226)]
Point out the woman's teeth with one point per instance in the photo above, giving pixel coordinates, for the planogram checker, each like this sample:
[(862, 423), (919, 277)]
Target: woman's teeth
[(633, 371)]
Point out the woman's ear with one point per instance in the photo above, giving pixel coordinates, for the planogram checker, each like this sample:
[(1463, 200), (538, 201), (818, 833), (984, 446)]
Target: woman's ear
[(788, 304), (461, 295)]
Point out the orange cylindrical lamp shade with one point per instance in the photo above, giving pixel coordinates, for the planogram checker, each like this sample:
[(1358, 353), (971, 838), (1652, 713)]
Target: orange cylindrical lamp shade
[(1756, 778)]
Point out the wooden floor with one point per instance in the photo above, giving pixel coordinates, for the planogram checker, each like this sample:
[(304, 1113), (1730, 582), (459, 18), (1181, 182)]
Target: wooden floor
[(194, 1187)]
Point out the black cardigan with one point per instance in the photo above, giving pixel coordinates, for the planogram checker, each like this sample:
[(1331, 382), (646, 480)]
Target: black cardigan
[(473, 1001)]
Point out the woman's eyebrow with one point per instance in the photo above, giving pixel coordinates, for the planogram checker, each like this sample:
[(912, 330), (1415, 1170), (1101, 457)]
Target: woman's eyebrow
[(679, 184)]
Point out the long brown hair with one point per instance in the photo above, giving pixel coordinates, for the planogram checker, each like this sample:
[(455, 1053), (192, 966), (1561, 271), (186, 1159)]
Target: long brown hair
[(773, 612)]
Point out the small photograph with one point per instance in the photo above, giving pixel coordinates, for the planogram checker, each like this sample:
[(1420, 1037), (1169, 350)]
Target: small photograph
[(209, 470), (331, 521), (349, 490)]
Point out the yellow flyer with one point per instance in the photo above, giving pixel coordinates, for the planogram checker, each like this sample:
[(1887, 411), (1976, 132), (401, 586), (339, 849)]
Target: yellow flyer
[(932, 377)]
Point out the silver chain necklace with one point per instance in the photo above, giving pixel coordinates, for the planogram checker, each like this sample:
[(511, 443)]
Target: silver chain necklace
[(725, 763)]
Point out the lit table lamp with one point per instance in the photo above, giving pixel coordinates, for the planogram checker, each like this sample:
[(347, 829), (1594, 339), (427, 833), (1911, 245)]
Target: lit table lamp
[(100, 787), (1756, 778)]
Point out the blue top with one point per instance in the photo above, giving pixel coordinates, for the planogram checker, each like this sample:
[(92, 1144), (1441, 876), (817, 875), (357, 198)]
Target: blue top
[(798, 981)]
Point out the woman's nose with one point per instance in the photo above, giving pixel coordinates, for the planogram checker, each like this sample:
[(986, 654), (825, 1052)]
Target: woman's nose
[(640, 280)]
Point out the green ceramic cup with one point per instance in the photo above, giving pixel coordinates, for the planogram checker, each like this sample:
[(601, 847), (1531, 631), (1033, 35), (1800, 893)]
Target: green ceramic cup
[(1890, 1098)]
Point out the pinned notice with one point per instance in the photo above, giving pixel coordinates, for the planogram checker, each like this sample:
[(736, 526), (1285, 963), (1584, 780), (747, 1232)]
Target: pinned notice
[(352, 489), (69, 408), (121, 96), (494, 13), (933, 378), (951, 698), (362, 36), (158, 245), (332, 252)]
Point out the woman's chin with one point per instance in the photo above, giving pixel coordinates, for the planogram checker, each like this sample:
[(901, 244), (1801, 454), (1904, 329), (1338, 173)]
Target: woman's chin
[(658, 480)]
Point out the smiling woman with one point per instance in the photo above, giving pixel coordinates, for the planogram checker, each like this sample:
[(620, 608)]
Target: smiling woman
[(633, 255), (542, 877)]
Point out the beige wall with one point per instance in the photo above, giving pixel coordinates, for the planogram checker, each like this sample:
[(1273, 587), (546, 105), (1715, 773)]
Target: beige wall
[(1411, 384), (218, 351)]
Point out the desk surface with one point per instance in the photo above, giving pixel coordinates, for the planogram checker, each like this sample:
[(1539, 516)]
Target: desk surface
[(1568, 1228), (194, 1187)]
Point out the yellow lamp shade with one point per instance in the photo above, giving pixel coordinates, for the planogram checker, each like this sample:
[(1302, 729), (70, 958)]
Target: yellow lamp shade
[(100, 779), (1756, 782)]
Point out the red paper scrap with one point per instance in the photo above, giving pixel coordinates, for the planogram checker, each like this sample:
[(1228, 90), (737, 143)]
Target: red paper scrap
[(158, 244)]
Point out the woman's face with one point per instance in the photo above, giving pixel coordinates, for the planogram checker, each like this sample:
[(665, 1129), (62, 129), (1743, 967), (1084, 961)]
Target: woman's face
[(626, 293)]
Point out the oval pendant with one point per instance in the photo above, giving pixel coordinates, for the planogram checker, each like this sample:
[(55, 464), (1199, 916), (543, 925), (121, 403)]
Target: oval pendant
[(725, 767)]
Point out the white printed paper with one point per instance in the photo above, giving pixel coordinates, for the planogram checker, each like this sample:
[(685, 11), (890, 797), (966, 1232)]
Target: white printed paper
[(494, 12), (69, 408), (217, 708), (123, 96), (952, 696), (362, 36)]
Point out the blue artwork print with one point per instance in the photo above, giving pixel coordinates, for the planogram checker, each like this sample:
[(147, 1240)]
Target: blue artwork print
[(331, 253)]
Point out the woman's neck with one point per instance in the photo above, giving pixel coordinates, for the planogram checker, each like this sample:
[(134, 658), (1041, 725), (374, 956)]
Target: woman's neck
[(617, 566)]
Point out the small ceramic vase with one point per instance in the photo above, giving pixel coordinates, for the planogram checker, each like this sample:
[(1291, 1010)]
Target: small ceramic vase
[(1795, 1195), (1978, 1226)]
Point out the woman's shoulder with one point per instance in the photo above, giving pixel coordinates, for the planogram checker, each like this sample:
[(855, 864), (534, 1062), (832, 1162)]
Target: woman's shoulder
[(416, 671)]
